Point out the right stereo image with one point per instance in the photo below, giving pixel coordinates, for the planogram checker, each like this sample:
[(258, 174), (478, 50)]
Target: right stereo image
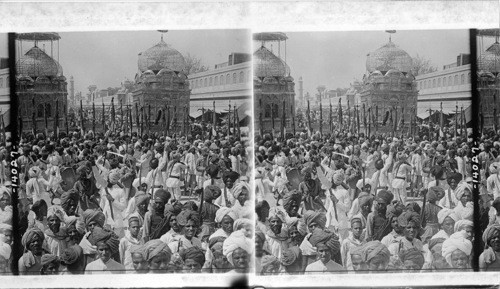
[(363, 151)]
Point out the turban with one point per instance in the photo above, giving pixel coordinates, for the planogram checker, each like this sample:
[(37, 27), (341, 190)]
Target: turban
[(372, 249), (162, 194), (34, 172), (238, 189), (328, 238), (216, 240), (299, 223), (38, 205), (461, 224), (193, 253), (30, 234), (154, 248), (488, 233), (5, 250), (190, 205), (306, 170), (234, 241), (454, 176), (107, 237), (73, 221), (137, 249), (68, 196), (445, 212), (365, 200), (141, 198), (461, 189), (57, 211), (49, 258), (494, 168), (434, 194), (456, 242), (386, 196), (276, 212), (408, 217), (71, 255), (231, 175), (259, 235), (412, 254), (289, 198), (93, 216), (338, 177), (186, 215), (434, 242), (173, 209), (114, 176), (135, 217), (355, 219), (270, 260), (313, 216), (240, 223), (392, 211), (223, 211), (211, 193), (359, 183), (290, 255)]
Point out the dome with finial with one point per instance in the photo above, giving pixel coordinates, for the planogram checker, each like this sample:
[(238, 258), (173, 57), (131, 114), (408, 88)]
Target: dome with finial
[(265, 64), (389, 57), (36, 63), (161, 56), (490, 59)]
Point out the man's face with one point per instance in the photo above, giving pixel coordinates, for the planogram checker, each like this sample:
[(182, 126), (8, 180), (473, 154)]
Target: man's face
[(469, 231), (459, 260), (295, 235), (229, 183), (293, 209), (4, 201), (134, 228), (220, 261), (159, 263), (71, 208), (174, 225), (448, 225), (52, 269), (139, 264), (143, 207), (92, 225), (54, 223), (243, 197), (104, 252), (357, 229), (494, 241), (240, 259), (378, 263), (7, 236), (453, 184), (275, 224), (381, 205), (159, 206), (410, 266), (227, 224), (411, 231), (190, 229), (324, 253), (466, 197), (191, 266), (357, 262)]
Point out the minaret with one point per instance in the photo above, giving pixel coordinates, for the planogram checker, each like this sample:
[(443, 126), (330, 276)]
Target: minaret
[(301, 92), (72, 91)]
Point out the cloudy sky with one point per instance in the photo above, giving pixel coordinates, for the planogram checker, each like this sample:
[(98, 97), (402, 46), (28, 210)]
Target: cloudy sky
[(335, 59), (107, 58), (3, 45)]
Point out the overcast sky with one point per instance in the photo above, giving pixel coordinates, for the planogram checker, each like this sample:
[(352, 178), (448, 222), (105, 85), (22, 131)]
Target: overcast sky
[(3, 45), (107, 58), (335, 59)]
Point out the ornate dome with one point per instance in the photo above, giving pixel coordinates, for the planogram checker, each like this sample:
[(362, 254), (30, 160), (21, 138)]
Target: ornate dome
[(490, 59), (389, 57), (265, 63), (161, 56), (37, 63)]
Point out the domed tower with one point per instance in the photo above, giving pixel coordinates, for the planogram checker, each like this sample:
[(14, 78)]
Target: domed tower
[(488, 70), (388, 90), (161, 87), (274, 88), (41, 86)]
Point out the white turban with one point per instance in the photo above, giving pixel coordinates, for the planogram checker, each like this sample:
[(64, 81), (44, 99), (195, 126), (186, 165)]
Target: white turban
[(278, 213), (456, 241), (462, 186), (461, 224), (223, 211), (57, 211), (5, 250), (238, 188), (445, 212), (234, 241), (359, 184)]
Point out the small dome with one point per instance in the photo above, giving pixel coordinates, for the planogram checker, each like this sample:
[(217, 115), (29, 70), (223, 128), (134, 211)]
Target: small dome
[(394, 73), (389, 57), (490, 59), (289, 78), (37, 63), (265, 63), (161, 56)]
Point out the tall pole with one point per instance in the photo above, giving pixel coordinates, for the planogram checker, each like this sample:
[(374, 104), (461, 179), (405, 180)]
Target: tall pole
[(283, 121), (456, 121), (370, 120), (149, 119), (46, 119), (463, 130), (229, 120), (330, 122), (261, 124), (66, 118), (348, 115), (81, 117), (292, 116), (137, 121), (167, 127), (430, 124), (93, 117), (309, 129), (364, 119), (103, 118), (236, 125), (214, 134), (203, 123), (113, 113), (357, 120), (320, 119), (121, 115), (56, 120), (375, 123), (340, 116)]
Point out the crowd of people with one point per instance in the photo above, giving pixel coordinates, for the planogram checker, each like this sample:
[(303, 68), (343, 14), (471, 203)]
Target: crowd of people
[(6, 215), (348, 203), (118, 203)]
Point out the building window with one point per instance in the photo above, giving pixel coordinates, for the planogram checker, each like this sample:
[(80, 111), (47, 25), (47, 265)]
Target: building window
[(444, 81), (210, 82), (439, 82), (1, 82), (468, 78), (48, 110), (275, 111), (222, 80), (234, 78), (7, 81), (450, 83), (267, 113), (241, 76), (455, 82), (462, 79), (216, 80), (228, 79), (434, 83), (39, 112), (205, 83)]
